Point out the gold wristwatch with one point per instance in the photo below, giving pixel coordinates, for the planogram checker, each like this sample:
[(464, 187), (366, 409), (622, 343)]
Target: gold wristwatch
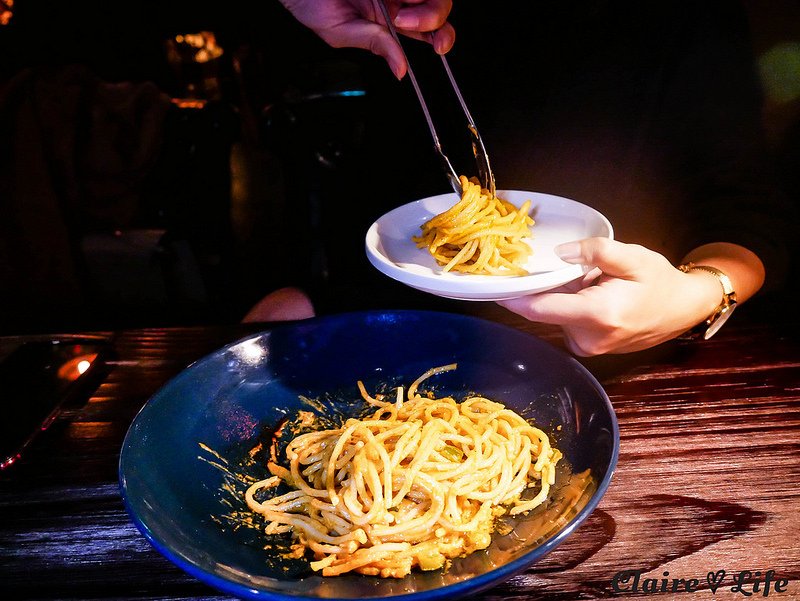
[(706, 329)]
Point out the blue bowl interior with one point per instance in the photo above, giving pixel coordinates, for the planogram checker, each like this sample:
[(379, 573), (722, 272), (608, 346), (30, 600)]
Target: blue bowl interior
[(178, 492)]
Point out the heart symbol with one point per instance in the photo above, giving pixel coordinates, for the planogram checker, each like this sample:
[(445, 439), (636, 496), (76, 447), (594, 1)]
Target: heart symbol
[(715, 580)]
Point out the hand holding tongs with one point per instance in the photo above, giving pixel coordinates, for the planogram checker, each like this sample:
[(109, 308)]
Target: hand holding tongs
[(485, 175)]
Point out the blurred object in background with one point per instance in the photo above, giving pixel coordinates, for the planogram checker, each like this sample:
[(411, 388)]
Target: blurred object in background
[(319, 134), (187, 194), (194, 58), (6, 11), (775, 28), (775, 33), (73, 151), (116, 203)]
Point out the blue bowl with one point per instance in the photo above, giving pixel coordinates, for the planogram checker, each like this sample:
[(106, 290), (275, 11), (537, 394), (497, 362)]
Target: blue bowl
[(183, 459)]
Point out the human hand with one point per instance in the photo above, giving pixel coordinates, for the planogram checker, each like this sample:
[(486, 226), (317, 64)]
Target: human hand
[(632, 298), (360, 24)]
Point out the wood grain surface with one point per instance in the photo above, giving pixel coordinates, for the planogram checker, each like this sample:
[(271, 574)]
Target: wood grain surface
[(708, 477)]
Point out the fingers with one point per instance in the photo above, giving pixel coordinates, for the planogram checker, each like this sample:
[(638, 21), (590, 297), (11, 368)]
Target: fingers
[(368, 35), (552, 307), (639, 301), (383, 44), (423, 15), (584, 333), (581, 304), (414, 21), (441, 39), (444, 38), (610, 256), (574, 348), (426, 20), (360, 24)]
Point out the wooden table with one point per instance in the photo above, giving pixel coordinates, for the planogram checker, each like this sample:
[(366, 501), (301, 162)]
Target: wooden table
[(708, 477)]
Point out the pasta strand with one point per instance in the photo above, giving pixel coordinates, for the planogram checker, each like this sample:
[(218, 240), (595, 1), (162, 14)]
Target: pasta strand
[(417, 483), (480, 234)]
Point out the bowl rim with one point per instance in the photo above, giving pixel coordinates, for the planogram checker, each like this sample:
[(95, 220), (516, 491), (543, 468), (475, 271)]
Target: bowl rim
[(470, 586)]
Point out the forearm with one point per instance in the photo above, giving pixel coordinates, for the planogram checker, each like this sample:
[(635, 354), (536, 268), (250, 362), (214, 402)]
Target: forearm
[(743, 267)]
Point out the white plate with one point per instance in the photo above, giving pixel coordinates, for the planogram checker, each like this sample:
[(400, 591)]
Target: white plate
[(391, 250)]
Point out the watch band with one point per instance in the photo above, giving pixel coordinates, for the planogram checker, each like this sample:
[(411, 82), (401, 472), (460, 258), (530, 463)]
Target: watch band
[(707, 328), (727, 285)]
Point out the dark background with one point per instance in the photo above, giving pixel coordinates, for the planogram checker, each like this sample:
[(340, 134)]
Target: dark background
[(297, 147)]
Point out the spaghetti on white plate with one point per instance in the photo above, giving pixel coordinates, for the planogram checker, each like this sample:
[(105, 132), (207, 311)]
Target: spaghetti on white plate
[(480, 234), (417, 483)]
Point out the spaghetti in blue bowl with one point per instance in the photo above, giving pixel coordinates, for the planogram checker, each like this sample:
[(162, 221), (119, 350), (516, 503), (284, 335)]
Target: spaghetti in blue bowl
[(201, 441)]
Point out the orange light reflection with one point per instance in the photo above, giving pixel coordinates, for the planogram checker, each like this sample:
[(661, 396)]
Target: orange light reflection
[(73, 368)]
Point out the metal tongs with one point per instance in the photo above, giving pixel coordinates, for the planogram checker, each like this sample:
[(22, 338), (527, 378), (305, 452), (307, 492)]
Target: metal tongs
[(485, 175)]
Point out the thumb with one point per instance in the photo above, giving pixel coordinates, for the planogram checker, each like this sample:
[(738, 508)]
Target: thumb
[(383, 44), (613, 258)]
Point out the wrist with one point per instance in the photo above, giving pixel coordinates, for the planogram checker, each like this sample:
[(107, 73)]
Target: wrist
[(742, 266), (716, 298)]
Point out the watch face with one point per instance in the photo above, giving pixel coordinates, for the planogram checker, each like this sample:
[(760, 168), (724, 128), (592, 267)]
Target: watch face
[(718, 322)]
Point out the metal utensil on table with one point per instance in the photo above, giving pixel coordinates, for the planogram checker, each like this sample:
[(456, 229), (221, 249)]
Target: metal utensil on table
[(485, 175)]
